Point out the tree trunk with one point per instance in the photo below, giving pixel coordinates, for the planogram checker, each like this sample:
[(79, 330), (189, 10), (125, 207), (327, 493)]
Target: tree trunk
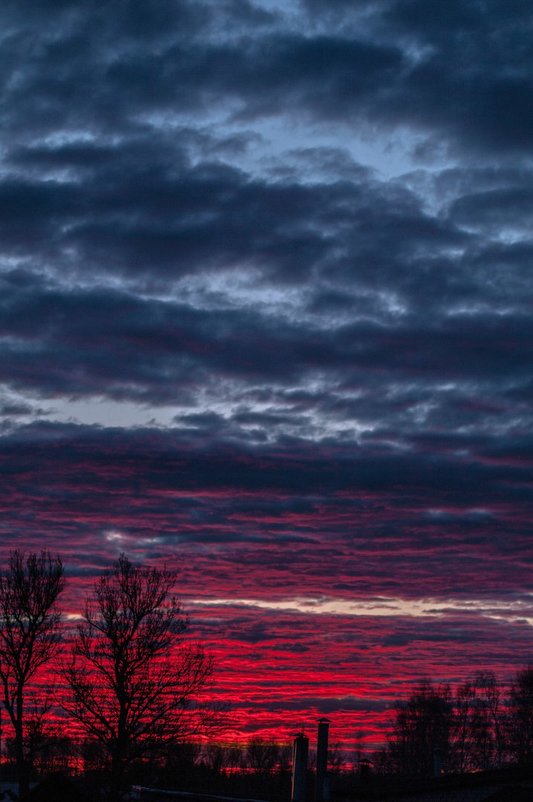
[(118, 785), (23, 769)]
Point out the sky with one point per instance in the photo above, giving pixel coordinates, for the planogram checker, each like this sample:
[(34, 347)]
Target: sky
[(265, 317)]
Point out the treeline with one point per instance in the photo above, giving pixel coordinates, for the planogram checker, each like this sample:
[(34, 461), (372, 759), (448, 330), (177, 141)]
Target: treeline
[(203, 766), (480, 725), (126, 680)]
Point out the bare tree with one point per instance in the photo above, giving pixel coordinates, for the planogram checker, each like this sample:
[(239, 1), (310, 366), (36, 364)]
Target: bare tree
[(487, 723), (29, 634), (464, 707), (261, 755), (490, 689), (131, 677), (520, 713), (421, 732)]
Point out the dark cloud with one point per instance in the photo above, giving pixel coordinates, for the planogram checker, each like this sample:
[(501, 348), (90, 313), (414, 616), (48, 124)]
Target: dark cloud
[(389, 63)]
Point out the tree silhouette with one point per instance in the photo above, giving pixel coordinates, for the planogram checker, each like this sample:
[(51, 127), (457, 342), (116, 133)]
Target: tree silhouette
[(521, 716), (471, 730), (487, 745), (421, 731), (131, 677), (29, 634), (262, 756)]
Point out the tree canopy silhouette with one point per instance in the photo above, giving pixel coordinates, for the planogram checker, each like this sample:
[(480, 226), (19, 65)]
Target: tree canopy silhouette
[(421, 731), (131, 677)]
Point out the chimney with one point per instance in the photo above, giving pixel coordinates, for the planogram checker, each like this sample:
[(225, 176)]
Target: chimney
[(300, 752), (321, 792)]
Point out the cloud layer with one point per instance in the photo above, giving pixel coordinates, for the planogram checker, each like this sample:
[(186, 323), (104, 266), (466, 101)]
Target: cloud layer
[(265, 314)]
